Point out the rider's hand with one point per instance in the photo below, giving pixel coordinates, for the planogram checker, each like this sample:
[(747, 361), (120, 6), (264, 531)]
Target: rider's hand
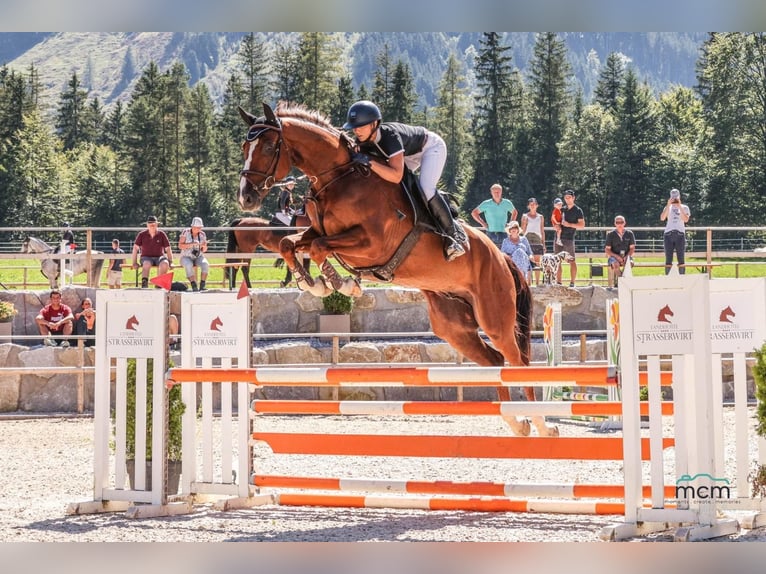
[(361, 158)]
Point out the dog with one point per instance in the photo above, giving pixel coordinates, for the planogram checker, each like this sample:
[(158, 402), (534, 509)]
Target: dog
[(550, 262)]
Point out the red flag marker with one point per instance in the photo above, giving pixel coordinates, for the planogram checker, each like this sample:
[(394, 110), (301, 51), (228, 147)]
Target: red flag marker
[(243, 291), (163, 281)]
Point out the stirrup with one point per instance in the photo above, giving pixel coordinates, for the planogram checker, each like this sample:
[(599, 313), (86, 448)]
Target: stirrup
[(453, 250)]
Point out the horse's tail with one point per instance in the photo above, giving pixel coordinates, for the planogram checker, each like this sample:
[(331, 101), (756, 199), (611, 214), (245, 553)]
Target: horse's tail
[(523, 311)]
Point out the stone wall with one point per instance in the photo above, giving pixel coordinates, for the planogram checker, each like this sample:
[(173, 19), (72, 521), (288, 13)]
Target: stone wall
[(281, 311)]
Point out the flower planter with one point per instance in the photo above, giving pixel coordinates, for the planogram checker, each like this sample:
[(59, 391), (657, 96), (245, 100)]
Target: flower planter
[(174, 475), (6, 330), (335, 324)]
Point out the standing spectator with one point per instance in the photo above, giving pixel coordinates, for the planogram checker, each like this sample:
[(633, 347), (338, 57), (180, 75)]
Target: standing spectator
[(533, 228), (193, 245), (556, 220), (55, 321), (67, 238), (114, 273), (385, 148), (518, 249), (155, 251), (676, 214), (620, 247), (497, 212), (572, 219), (85, 322)]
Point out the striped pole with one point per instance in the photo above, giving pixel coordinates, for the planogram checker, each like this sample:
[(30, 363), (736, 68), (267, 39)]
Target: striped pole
[(548, 448), (578, 375), (475, 408), (462, 504), (526, 490)]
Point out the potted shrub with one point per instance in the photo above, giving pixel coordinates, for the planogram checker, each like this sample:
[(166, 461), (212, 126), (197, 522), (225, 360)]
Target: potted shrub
[(336, 313), (758, 476), (176, 408), (7, 313)]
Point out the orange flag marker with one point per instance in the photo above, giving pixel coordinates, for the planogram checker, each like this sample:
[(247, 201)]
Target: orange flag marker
[(163, 281), (243, 291)]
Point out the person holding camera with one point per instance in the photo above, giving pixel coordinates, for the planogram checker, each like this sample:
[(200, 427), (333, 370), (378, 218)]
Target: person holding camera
[(619, 248), (193, 245), (85, 322), (676, 214)]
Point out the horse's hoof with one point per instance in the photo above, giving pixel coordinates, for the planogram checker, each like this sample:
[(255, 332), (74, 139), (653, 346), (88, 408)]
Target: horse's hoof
[(519, 427), (351, 288), (551, 431)]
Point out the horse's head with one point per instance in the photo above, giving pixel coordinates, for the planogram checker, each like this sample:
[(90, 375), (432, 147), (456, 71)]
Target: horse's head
[(215, 324), (664, 315), (131, 323), (262, 152), (727, 315)]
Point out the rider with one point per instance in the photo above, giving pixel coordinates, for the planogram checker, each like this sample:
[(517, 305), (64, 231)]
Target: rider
[(67, 237), (387, 147)]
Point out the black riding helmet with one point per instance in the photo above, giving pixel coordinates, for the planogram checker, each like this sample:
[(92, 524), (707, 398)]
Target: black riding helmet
[(362, 113)]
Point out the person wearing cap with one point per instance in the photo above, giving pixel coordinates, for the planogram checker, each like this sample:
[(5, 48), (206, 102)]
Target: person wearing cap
[(516, 246), (572, 219), (286, 201), (155, 250), (193, 244), (619, 248), (556, 219), (493, 214), (385, 148), (675, 214), (533, 228)]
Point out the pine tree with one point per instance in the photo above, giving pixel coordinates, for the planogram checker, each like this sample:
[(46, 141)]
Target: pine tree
[(318, 71), (498, 115), (403, 96), (610, 82), (343, 100), (550, 74), (253, 63), (70, 117)]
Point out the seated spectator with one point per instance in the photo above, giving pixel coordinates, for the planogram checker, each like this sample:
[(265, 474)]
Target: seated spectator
[(193, 245), (154, 246), (55, 321), (517, 247), (620, 247), (85, 322)]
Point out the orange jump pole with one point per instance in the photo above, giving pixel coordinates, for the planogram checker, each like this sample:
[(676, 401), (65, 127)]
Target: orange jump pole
[(477, 408), (567, 491), (465, 504), (558, 448), (577, 375)]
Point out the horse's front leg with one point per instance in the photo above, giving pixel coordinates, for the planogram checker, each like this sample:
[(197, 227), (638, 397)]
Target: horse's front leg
[(350, 240), (287, 249)]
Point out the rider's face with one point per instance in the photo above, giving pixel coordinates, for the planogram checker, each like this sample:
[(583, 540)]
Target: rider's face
[(364, 133)]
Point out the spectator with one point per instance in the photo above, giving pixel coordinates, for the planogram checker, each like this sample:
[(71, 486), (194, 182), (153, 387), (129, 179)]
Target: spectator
[(193, 245), (497, 212), (556, 220), (533, 228), (114, 273), (620, 247), (386, 148), (85, 322), (55, 321), (572, 219), (518, 249), (677, 215), (155, 251)]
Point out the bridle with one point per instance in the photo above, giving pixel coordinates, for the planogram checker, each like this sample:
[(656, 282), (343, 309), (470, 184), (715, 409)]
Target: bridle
[(255, 131)]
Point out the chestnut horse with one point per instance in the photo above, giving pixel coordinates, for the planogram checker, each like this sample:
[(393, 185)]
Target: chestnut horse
[(254, 232), (362, 220)]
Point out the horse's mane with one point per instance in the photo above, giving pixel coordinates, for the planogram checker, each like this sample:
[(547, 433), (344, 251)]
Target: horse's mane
[(301, 112)]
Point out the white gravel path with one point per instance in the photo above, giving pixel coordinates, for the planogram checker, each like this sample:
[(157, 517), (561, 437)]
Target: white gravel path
[(48, 463)]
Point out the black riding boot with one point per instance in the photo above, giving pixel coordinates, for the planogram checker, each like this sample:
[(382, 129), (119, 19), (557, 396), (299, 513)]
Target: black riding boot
[(202, 285), (144, 283), (456, 236), (194, 285)]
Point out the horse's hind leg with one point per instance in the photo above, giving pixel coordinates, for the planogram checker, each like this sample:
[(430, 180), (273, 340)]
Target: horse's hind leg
[(453, 320)]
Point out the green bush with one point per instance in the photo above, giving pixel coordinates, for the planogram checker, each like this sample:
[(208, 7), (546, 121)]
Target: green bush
[(176, 409), (759, 375), (337, 303)]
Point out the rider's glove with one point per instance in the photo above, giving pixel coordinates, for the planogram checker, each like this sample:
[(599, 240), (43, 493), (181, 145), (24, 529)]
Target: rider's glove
[(361, 158)]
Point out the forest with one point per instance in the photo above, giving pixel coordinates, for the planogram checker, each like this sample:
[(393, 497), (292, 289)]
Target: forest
[(173, 150)]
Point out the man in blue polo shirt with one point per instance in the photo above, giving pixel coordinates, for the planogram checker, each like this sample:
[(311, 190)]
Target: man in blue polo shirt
[(495, 211)]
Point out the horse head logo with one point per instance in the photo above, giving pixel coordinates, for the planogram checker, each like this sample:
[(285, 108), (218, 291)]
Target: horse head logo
[(664, 314), (215, 324), (132, 323), (726, 315)]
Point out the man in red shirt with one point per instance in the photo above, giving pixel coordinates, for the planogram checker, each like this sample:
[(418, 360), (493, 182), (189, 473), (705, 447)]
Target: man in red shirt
[(55, 321), (155, 250)]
